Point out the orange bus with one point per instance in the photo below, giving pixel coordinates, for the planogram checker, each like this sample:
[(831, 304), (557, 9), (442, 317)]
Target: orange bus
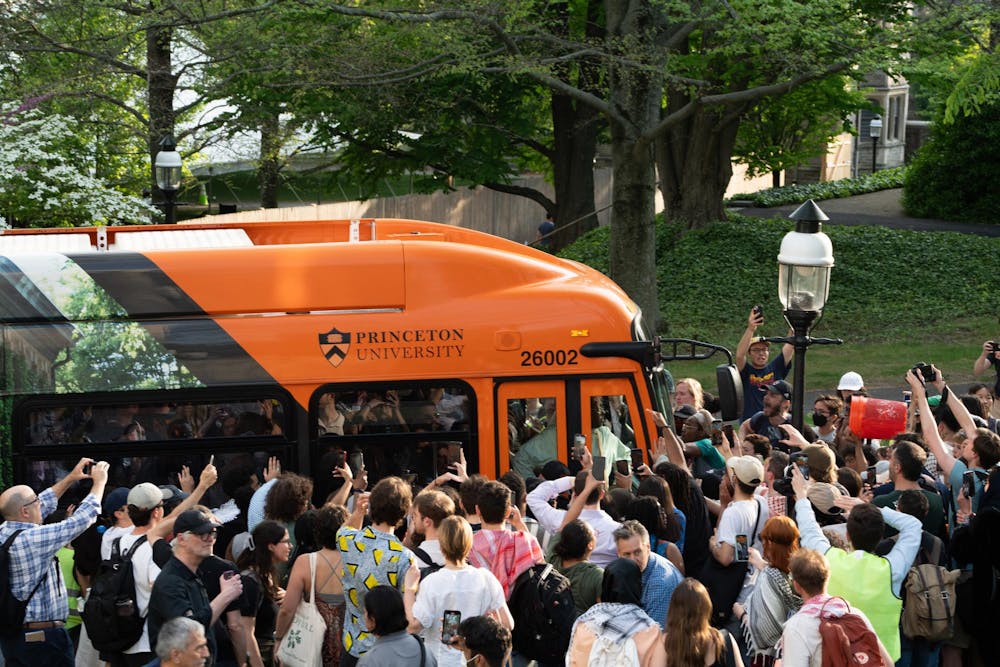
[(392, 342)]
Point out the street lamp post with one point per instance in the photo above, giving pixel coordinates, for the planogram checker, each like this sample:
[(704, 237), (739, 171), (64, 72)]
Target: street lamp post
[(167, 167), (875, 131), (804, 264)]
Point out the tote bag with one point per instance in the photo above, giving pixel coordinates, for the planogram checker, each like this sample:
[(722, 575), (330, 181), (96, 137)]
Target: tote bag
[(302, 645)]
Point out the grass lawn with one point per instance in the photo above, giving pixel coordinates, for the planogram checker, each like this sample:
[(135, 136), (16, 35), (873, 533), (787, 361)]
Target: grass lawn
[(896, 297)]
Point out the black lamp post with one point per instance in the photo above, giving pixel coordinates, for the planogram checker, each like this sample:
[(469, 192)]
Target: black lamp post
[(167, 167), (804, 264), (875, 131)]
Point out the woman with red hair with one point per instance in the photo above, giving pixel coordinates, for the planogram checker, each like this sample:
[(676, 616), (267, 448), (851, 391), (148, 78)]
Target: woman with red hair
[(772, 600)]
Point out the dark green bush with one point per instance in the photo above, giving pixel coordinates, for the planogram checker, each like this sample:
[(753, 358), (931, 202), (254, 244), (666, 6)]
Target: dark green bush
[(887, 283), (954, 175), (845, 187)]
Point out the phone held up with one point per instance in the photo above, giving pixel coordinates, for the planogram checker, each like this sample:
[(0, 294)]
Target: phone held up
[(449, 626), (599, 471), (636, 458), (579, 446), (742, 549), (622, 467)]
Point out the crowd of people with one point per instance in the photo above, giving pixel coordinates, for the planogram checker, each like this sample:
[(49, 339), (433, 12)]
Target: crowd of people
[(724, 547)]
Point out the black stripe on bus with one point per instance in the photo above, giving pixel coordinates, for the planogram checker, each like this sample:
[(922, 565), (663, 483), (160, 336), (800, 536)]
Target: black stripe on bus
[(181, 326)]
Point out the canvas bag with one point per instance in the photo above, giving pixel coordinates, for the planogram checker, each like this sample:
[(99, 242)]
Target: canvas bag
[(302, 645)]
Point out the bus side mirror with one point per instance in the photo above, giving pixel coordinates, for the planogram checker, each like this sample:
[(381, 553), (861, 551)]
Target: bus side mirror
[(730, 391)]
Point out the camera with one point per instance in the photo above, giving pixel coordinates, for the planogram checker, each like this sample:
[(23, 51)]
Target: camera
[(784, 485), (925, 371), (994, 347)]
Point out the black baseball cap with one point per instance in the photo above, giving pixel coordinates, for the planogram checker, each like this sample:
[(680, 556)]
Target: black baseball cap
[(193, 521), (779, 387)]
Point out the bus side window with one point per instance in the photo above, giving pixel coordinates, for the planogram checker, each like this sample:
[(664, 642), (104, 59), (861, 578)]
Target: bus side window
[(532, 428)]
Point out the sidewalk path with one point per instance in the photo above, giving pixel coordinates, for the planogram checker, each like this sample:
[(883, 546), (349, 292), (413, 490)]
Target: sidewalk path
[(875, 208)]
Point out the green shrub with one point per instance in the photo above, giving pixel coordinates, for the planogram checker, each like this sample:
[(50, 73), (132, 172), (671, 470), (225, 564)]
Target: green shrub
[(953, 175), (845, 187), (887, 284)]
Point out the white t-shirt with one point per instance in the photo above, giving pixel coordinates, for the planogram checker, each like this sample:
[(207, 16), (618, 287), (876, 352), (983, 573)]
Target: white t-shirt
[(801, 642), (472, 591), (738, 519), (109, 537), (145, 572)]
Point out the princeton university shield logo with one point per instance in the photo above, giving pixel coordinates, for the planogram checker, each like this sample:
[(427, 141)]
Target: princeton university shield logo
[(335, 345)]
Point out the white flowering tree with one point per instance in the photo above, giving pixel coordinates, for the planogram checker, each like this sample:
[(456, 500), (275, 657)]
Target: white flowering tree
[(44, 183)]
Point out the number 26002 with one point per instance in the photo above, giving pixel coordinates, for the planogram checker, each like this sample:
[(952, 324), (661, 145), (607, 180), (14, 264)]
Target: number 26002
[(548, 357)]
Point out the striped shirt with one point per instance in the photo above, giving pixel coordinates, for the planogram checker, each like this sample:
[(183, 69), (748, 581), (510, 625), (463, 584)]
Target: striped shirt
[(33, 556)]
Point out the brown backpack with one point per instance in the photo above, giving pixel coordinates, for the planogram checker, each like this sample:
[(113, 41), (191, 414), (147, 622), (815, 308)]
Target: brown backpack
[(847, 641)]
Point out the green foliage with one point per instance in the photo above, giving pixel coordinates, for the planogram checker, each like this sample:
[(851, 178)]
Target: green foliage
[(952, 175), (885, 286), (845, 187), (45, 183), (779, 133), (977, 89)]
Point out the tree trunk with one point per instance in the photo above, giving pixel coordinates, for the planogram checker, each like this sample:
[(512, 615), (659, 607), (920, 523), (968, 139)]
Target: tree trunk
[(776, 179), (634, 96), (694, 158), (575, 127), (270, 152), (160, 88)]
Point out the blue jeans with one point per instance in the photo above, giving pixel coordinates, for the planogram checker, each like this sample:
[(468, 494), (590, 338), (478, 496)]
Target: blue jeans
[(53, 649), (918, 652)]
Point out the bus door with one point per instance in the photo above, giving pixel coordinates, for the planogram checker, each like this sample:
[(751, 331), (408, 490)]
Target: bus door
[(612, 416), (533, 421)]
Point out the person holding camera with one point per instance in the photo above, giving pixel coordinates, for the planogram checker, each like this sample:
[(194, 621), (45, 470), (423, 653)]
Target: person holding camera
[(990, 356), (752, 361), (980, 450), (34, 573)]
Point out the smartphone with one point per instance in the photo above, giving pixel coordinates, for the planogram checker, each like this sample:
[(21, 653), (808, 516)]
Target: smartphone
[(598, 471), (716, 426), (340, 459), (636, 455), (728, 430), (742, 548), (870, 475), (357, 462), (758, 310), (86, 468), (804, 469), (229, 574), (969, 483), (211, 459), (449, 626), (579, 445), (621, 465)]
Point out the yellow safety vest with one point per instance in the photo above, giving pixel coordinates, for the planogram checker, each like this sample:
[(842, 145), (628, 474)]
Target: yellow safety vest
[(65, 556), (865, 581)]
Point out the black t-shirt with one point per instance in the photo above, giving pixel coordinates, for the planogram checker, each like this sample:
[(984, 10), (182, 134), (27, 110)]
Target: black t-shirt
[(761, 425), (697, 531), (257, 603), (179, 592), (210, 570)]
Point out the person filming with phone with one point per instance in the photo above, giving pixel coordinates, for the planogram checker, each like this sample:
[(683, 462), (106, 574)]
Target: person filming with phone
[(456, 591), (42, 637), (756, 368)]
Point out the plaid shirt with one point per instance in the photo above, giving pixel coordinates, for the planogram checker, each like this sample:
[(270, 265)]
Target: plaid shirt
[(33, 554)]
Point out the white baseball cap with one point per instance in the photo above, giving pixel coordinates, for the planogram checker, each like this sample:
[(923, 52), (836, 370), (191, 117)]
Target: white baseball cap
[(850, 381)]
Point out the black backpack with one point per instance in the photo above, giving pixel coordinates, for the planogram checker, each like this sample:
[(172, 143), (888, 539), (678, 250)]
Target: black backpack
[(11, 609), (541, 602), (429, 566), (111, 613)]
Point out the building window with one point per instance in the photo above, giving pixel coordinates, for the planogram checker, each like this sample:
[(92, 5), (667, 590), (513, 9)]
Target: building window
[(894, 120)]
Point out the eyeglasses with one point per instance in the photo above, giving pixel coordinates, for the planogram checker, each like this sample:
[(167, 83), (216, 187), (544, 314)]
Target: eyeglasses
[(206, 537), (29, 504)]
